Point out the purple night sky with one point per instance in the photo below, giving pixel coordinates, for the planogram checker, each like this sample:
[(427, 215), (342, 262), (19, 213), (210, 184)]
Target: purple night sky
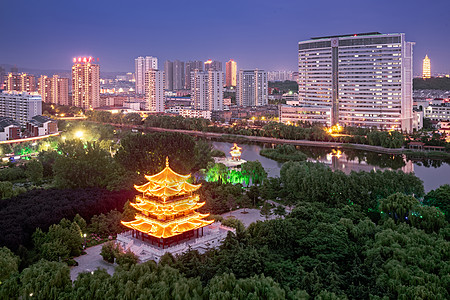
[(256, 33)]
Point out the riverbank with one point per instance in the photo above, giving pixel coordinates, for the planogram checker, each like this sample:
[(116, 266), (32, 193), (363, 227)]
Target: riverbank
[(259, 139)]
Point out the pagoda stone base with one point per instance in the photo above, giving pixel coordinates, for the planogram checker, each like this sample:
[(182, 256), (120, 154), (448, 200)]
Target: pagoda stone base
[(213, 235), (229, 162)]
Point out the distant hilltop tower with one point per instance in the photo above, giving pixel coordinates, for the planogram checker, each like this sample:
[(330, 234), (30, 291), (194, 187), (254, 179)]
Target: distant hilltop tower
[(426, 71)]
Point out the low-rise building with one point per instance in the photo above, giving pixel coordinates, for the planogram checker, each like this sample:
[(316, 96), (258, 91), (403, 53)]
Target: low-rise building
[(313, 114), (195, 113), (438, 111), (9, 129), (41, 125)]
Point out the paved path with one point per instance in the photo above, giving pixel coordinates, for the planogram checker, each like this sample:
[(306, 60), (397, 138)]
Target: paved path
[(90, 262), (251, 216)]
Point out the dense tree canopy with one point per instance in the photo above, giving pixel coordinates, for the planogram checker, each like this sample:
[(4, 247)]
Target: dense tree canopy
[(21, 215)]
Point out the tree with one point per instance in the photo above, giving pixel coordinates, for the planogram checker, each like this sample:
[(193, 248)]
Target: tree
[(81, 166), (34, 171), (132, 118), (43, 280), (398, 206), (254, 171), (203, 150), (145, 154), (109, 252), (440, 197), (127, 259), (9, 264), (280, 210), (227, 287), (266, 210)]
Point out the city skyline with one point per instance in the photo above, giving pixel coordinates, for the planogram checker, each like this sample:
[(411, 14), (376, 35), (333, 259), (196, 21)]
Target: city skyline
[(256, 36)]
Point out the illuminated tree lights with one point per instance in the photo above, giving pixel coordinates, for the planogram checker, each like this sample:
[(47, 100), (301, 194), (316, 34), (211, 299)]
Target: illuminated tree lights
[(167, 206)]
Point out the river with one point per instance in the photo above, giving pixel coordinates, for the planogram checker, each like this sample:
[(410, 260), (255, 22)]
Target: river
[(433, 173)]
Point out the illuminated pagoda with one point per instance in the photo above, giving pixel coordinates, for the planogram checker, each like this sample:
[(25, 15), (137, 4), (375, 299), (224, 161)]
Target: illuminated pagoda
[(236, 152), (167, 209)]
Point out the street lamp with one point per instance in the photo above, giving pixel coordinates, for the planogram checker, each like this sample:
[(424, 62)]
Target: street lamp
[(84, 245), (79, 134)]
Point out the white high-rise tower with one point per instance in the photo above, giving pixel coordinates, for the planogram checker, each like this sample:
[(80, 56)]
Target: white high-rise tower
[(142, 65), (154, 90)]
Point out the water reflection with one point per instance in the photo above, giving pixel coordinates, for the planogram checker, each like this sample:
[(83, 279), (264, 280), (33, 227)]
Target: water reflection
[(433, 173)]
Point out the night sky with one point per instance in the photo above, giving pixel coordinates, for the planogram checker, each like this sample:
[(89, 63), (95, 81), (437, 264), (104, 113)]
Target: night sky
[(263, 34)]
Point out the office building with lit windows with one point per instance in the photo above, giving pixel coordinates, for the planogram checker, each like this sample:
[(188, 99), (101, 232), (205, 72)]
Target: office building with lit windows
[(85, 83), (141, 66), (356, 80)]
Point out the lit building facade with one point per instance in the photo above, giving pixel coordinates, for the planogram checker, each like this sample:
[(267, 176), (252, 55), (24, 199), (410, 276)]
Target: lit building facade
[(365, 79), (154, 90), (207, 90), (141, 66), (20, 107), (231, 73), (85, 83), (20, 83), (54, 89), (252, 88), (426, 68)]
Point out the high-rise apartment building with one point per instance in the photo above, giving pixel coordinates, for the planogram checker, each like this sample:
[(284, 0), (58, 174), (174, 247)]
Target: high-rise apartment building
[(20, 106), (168, 75), (154, 90), (252, 88), (60, 90), (142, 65), (231, 70), (207, 90), (199, 89), (190, 66), (45, 88), (20, 82), (178, 75), (215, 90), (362, 79), (2, 77), (426, 68), (213, 65), (85, 83), (54, 89), (174, 75)]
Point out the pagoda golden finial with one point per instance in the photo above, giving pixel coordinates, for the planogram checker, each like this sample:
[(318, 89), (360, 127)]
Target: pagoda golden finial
[(167, 161)]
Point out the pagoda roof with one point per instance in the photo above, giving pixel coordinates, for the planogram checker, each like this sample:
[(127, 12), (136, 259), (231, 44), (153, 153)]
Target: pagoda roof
[(167, 176), (167, 183), (167, 210), (164, 230), (236, 147)]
